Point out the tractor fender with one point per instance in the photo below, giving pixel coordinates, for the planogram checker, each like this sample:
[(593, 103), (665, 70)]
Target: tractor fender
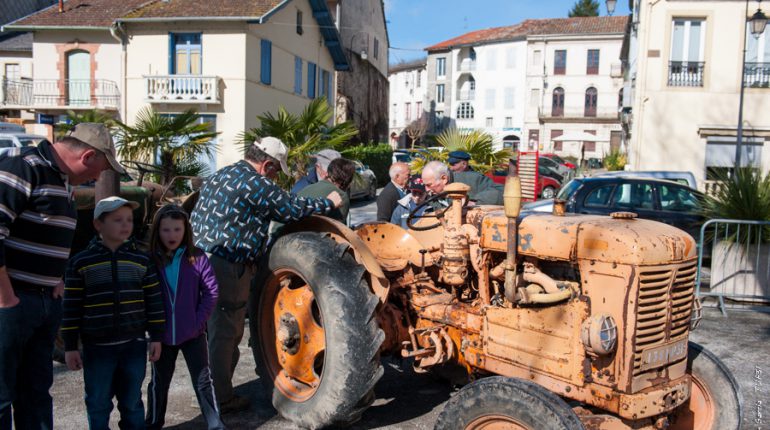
[(342, 233)]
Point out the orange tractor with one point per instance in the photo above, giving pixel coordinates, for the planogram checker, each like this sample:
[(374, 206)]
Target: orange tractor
[(558, 321)]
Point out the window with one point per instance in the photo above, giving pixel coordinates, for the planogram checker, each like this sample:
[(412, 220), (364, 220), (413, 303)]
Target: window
[(267, 60), (560, 62), (592, 62), (720, 155), (185, 54), (490, 121), (599, 198), (510, 97), (440, 67), (12, 72), (376, 48), (589, 146), (324, 85), (757, 70), (297, 75), (534, 98), (687, 46), (440, 93), (620, 99), (311, 77), (557, 104), (537, 58), (465, 111), (557, 146), (492, 59), (439, 120), (418, 108), (407, 112), (299, 22), (590, 102), (418, 79), (633, 196), (510, 58), (489, 98), (508, 122), (677, 199)]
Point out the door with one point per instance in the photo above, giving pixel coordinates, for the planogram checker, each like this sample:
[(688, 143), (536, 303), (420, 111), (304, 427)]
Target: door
[(78, 78)]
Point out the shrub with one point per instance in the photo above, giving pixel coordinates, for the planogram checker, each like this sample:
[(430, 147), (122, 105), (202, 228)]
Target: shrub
[(378, 157), (615, 160), (744, 196)]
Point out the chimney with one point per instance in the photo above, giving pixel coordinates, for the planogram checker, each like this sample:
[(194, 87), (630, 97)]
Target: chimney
[(61, 6)]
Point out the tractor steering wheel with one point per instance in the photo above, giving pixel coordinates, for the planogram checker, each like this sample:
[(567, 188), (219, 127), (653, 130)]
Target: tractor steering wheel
[(436, 214)]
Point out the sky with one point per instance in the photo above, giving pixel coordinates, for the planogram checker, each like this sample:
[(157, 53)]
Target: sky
[(416, 24)]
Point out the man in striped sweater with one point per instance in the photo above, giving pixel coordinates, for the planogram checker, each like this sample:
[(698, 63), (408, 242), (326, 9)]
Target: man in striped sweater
[(37, 224)]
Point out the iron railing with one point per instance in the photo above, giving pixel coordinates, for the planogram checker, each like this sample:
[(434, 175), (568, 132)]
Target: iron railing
[(182, 89), (466, 95), (64, 93), (757, 75), (739, 270), (685, 73)]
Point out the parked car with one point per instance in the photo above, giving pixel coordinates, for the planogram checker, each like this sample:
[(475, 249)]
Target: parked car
[(401, 155), (18, 140), (364, 183), (547, 185), (564, 172), (656, 199), (685, 178), (559, 160)]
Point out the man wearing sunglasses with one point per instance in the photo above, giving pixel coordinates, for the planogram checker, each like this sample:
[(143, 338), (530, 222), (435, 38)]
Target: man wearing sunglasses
[(231, 222)]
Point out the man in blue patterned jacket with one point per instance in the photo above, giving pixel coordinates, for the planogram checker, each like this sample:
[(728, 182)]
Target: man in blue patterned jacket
[(231, 222)]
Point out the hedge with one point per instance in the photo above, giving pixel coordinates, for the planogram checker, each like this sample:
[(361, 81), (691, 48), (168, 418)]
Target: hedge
[(378, 157)]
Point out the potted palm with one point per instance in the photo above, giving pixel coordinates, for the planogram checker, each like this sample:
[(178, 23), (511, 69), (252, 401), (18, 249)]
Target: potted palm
[(484, 157), (741, 249)]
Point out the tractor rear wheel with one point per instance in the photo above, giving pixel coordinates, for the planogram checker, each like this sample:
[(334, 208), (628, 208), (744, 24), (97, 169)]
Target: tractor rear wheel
[(316, 338), (498, 402), (715, 402)]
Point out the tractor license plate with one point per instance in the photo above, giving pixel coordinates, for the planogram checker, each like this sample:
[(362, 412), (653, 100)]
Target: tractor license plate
[(664, 354)]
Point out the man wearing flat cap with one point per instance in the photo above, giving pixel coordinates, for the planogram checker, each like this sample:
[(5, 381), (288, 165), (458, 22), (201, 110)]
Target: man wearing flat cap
[(459, 161), (231, 222), (37, 225)]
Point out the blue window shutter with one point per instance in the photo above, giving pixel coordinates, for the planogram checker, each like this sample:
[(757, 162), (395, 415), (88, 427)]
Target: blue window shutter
[(171, 49), (297, 75), (266, 61), (311, 80)]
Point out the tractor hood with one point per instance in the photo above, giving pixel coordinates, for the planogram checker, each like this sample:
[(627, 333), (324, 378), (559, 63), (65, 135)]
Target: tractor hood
[(587, 237)]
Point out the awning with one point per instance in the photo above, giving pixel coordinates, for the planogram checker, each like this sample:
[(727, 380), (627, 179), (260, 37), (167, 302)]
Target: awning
[(578, 136)]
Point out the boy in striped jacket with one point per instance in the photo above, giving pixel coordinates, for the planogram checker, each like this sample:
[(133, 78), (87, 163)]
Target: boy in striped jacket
[(111, 298)]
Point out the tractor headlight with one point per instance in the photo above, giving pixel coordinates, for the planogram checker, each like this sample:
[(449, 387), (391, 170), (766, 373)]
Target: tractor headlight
[(599, 335)]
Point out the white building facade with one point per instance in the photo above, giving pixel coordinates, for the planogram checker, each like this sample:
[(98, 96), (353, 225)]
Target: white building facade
[(407, 82)]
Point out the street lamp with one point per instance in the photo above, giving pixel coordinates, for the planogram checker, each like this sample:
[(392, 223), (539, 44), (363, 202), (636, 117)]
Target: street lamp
[(757, 23), (611, 6)]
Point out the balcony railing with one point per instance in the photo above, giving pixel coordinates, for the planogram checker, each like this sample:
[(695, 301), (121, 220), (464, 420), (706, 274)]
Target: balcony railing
[(60, 93), (685, 73), (757, 75), (466, 65), (466, 95), (182, 89), (579, 112)]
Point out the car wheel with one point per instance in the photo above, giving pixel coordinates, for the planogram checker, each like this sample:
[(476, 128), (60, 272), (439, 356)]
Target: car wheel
[(548, 193)]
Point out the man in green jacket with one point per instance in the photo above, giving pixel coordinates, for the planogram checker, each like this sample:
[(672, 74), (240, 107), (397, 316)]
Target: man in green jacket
[(339, 175), (436, 175)]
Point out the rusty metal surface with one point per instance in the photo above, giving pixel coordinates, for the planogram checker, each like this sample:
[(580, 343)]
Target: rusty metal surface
[(378, 282), (392, 246)]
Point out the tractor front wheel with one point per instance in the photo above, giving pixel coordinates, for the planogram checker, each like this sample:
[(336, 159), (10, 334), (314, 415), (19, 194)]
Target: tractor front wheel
[(316, 339)]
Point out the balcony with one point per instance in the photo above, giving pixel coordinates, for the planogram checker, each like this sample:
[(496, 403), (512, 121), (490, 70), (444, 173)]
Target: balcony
[(685, 73), (466, 65), (466, 95), (578, 114), (181, 89), (757, 75), (60, 94)]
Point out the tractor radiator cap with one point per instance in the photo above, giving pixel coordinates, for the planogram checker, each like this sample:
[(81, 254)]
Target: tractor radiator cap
[(623, 215)]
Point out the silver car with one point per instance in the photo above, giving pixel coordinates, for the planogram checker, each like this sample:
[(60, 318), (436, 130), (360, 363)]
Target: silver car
[(364, 184)]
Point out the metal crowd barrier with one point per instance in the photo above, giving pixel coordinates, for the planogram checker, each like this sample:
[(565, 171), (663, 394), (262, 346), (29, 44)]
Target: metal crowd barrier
[(738, 255)]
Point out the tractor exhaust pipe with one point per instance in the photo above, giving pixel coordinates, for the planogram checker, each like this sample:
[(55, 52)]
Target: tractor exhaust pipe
[(512, 204)]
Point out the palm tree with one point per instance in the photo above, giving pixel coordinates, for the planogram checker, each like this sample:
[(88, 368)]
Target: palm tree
[(91, 115), (303, 134), (171, 142), (484, 158)]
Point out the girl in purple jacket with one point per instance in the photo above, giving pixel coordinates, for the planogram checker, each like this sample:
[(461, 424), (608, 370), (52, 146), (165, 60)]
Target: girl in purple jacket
[(189, 294)]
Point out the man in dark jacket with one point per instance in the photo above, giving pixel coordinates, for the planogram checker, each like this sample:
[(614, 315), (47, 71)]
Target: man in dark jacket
[(37, 225), (319, 170), (436, 176), (459, 161), (388, 198)]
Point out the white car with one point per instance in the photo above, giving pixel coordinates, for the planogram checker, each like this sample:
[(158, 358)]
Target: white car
[(19, 140)]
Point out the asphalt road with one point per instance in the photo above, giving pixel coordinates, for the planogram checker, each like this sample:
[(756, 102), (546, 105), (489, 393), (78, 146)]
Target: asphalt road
[(408, 400)]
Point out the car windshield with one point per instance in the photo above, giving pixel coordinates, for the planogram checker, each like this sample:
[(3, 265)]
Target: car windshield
[(566, 191), (557, 159)]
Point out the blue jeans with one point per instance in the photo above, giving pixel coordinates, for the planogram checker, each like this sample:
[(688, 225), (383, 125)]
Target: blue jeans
[(27, 334), (115, 370)]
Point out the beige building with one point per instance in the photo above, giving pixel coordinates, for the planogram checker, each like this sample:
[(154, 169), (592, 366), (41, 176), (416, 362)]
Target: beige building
[(229, 64), (684, 84)]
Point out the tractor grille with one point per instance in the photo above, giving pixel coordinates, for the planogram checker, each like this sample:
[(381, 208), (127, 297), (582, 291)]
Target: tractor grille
[(664, 306)]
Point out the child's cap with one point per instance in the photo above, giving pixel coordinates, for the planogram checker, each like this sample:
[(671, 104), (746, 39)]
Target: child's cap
[(110, 204)]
